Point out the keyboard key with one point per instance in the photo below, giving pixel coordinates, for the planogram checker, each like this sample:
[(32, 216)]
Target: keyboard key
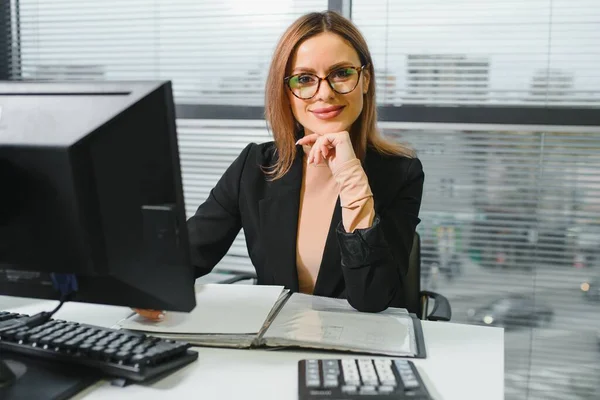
[(85, 347), (122, 356), (109, 352)]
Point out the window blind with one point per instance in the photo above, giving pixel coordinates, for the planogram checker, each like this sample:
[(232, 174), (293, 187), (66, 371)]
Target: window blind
[(214, 53), (511, 214), (511, 217), (207, 148), (486, 52)]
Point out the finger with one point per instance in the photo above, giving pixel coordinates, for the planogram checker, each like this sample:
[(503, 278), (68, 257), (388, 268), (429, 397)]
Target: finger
[(318, 151), (324, 151), (308, 139), (336, 139), (318, 157), (332, 139), (314, 152), (154, 315)]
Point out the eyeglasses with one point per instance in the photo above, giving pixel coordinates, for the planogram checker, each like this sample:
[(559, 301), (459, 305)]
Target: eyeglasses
[(342, 80)]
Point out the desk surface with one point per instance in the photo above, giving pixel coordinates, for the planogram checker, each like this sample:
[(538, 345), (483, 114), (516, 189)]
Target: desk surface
[(463, 362)]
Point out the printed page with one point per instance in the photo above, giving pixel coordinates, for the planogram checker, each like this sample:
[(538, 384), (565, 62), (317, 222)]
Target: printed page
[(319, 322), (220, 309)]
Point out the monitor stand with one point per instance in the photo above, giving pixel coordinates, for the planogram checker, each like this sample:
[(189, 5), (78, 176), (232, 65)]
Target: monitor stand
[(23, 377)]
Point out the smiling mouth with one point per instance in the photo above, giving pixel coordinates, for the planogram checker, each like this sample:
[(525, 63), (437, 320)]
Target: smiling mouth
[(328, 112)]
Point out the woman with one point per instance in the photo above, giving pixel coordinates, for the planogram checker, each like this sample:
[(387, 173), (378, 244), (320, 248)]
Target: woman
[(320, 104)]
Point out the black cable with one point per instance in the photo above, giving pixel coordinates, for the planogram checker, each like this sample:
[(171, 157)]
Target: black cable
[(63, 301), (33, 321)]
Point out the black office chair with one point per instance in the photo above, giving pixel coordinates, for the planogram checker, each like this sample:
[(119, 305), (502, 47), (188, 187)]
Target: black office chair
[(417, 299)]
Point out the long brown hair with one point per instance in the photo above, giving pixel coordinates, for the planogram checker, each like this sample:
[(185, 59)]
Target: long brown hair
[(278, 112)]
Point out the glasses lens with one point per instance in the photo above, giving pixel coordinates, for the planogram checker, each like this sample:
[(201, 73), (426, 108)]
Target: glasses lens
[(343, 80), (304, 85)]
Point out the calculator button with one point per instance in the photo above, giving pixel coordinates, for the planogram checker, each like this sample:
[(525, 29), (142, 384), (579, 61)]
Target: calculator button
[(329, 383), (383, 368), (367, 390), (313, 383), (348, 389), (411, 384), (407, 376), (313, 376), (371, 381), (312, 370), (386, 389), (366, 369), (388, 381), (330, 377)]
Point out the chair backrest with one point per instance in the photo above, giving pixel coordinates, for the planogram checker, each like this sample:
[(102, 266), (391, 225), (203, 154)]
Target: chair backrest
[(412, 285)]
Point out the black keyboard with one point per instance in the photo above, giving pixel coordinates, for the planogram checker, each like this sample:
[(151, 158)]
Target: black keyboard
[(359, 379), (114, 353)]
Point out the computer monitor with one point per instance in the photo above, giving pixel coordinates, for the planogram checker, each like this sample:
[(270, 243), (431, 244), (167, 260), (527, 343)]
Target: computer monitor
[(91, 188)]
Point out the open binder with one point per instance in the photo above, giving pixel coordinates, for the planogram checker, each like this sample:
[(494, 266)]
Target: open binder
[(251, 316)]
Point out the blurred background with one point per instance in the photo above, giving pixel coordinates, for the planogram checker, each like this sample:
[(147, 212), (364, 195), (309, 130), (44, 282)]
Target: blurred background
[(500, 99)]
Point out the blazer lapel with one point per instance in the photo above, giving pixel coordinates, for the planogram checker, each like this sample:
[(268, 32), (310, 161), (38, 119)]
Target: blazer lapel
[(330, 279), (279, 224)]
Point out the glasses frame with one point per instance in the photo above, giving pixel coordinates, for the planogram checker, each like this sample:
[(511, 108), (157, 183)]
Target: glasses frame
[(360, 69)]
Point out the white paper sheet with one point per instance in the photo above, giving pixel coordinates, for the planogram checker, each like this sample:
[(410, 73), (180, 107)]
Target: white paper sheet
[(220, 309), (320, 322)]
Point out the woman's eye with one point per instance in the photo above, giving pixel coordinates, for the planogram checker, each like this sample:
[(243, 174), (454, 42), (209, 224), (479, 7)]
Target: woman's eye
[(343, 73), (305, 79)]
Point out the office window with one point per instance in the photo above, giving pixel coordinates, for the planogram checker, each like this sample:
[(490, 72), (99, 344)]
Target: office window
[(511, 214), (511, 235), (485, 52), (215, 53)]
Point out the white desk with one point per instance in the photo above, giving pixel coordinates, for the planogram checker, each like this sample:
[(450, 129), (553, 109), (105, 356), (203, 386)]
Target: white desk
[(463, 362)]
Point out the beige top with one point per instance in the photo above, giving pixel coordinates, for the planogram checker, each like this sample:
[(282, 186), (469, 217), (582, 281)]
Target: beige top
[(318, 196)]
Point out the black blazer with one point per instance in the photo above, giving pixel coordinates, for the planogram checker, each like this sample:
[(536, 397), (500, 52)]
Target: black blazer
[(367, 267)]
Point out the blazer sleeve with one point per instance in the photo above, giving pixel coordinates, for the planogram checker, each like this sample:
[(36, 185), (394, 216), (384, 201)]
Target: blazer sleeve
[(217, 221), (375, 259)]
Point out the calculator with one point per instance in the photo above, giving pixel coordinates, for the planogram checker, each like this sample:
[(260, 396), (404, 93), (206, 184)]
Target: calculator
[(356, 378)]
